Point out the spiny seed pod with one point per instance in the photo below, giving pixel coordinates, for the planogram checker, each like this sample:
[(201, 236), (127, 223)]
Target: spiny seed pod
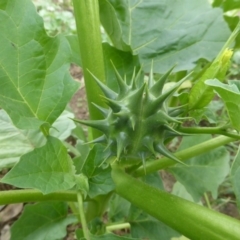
[(137, 121)]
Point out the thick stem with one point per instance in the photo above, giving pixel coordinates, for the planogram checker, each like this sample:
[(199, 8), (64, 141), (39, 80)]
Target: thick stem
[(190, 219), (30, 195), (89, 36), (185, 154)]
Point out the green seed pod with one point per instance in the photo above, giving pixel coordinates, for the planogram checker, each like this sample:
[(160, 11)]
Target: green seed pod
[(138, 120)]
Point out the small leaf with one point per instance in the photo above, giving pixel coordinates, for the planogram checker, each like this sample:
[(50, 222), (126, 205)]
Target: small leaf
[(230, 93), (99, 178), (48, 169), (42, 221), (203, 173), (235, 176)]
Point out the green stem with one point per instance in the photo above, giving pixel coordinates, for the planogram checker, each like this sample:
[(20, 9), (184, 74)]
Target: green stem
[(185, 154), (119, 226), (207, 201), (90, 43), (192, 220), (208, 130), (82, 216), (30, 195)]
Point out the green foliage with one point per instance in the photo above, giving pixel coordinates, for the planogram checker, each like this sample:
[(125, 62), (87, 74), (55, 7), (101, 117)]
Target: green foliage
[(42, 221), (230, 93), (140, 93), (99, 176), (167, 32), (48, 169), (203, 173), (36, 85)]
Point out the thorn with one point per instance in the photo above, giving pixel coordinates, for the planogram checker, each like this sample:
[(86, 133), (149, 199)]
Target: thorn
[(158, 102), (123, 88), (136, 98), (133, 121), (143, 158), (113, 104), (157, 88), (122, 142), (101, 139), (104, 111), (109, 93), (148, 143), (160, 148), (101, 125)]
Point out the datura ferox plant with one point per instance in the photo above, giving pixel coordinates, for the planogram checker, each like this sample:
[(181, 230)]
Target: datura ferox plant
[(138, 119)]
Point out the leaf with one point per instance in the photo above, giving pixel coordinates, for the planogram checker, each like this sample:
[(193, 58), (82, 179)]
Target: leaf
[(41, 221), (168, 32), (118, 208), (201, 94), (227, 5), (210, 113), (124, 62), (203, 173), (235, 176), (99, 176), (108, 236), (48, 169), (180, 191), (35, 82), (15, 142), (154, 180), (144, 226), (230, 94), (63, 126)]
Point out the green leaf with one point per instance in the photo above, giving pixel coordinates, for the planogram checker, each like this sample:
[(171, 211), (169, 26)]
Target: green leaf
[(23, 141), (147, 227), (99, 176), (48, 169), (63, 126), (230, 93), (201, 94), (118, 208), (35, 82), (108, 236), (210, 113), (180, 191), (15, 142), (168, 32), (227, 5), (124, 62), (42, 221), (203, 173), (235, 176)]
